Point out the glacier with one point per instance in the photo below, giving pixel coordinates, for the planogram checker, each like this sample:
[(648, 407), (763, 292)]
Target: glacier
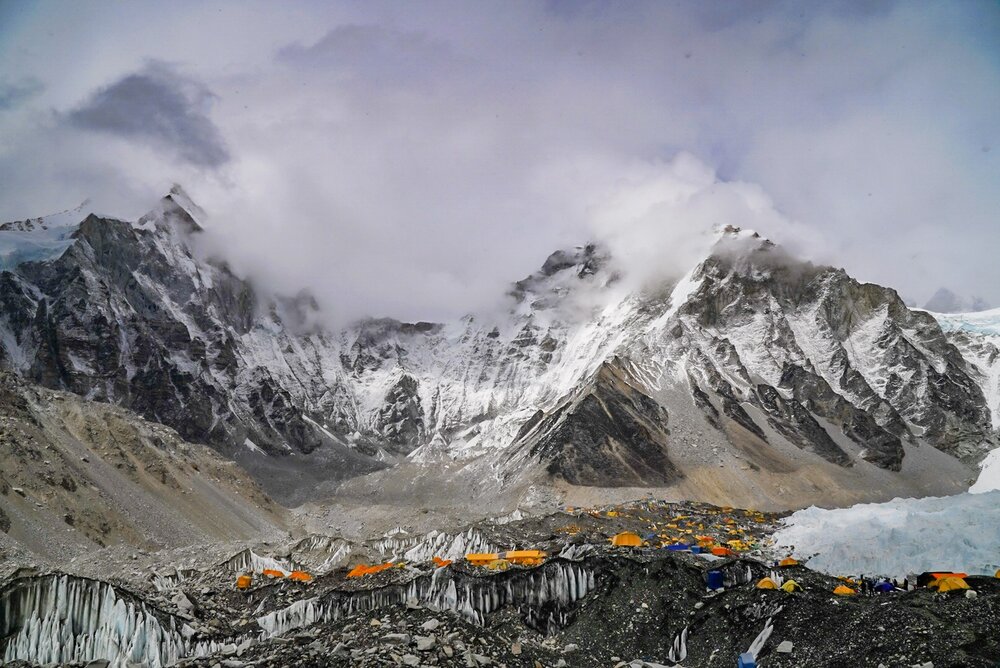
[(60, 618), (956, 533)]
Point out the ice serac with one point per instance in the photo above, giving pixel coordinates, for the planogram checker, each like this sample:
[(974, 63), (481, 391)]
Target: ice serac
[(61, 619), (545, 597), (786, 364)]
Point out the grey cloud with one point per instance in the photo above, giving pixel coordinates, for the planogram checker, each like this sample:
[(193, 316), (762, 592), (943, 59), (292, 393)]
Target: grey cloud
[(379, 54), (13, 94), (158, 106)]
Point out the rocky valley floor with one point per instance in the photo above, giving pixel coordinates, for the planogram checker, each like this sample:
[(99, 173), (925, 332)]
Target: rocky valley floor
[(590, 603)]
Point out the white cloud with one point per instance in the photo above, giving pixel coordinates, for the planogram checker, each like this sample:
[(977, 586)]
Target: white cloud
[(413, 160)]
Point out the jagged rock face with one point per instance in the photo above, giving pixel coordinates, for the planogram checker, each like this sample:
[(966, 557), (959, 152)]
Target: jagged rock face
[(779, 349), (128, 314), (848, 352), (611, 435)]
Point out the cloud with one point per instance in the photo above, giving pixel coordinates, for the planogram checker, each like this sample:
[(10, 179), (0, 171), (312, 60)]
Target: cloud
[(378, 54), (157, 105), (13, 94), (413, 160)]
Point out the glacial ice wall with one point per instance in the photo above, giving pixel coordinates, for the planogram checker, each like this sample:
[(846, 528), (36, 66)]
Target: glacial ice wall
[(544, 594), (61, 619)]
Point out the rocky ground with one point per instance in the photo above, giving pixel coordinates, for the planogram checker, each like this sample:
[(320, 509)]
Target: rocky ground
[(590, 604), (77, 476)]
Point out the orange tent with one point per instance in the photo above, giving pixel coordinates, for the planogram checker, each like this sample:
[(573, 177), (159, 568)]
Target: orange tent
[(272, 573), (767, 583), (788, 561), (361, 570), (720, 551), (481, 558), (526, 557), (441, 563), (843, 590), (244, 582), (626, 539), (300, 576)]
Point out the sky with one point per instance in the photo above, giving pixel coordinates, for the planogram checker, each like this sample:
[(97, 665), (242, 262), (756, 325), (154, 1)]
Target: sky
[(413, 159)]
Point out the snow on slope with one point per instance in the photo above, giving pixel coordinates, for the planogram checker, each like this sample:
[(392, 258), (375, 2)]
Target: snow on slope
[(977, 336), (960, 533), (989, 475), (37, 239)]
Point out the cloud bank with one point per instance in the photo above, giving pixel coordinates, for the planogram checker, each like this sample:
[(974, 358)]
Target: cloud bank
[(413, 160), (158, 106)]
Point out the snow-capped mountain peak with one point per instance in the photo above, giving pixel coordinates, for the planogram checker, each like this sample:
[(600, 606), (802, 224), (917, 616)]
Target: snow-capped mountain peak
[(750, 364)]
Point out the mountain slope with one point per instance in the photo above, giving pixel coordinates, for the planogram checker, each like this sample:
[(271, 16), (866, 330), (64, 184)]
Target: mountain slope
[(76, 476), (772, 364)]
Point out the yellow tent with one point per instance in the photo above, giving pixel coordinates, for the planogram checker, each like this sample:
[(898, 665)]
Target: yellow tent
[(948, 584), (997, 574), (791, 586), (788, 561), (843, 590), (626, 539), (767, 583)]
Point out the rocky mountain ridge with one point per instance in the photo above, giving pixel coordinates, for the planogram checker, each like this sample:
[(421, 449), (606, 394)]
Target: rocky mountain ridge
[(768, 362)]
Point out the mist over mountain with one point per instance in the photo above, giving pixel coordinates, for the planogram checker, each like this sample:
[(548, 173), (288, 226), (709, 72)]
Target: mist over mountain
[(946, 301)]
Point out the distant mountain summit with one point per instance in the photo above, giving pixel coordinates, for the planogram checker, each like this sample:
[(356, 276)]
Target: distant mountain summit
[(946, 301), (751, 377)]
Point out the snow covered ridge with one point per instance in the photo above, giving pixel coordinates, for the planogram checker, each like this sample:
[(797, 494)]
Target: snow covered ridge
[(977, 336), (38, 239), (750, 345), (956, 533)]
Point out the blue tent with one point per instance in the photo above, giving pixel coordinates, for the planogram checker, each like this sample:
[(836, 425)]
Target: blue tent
[(678, 547), (884, 587)]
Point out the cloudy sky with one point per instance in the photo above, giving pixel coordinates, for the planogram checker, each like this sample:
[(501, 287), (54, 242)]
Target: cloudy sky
[(411, 159)]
